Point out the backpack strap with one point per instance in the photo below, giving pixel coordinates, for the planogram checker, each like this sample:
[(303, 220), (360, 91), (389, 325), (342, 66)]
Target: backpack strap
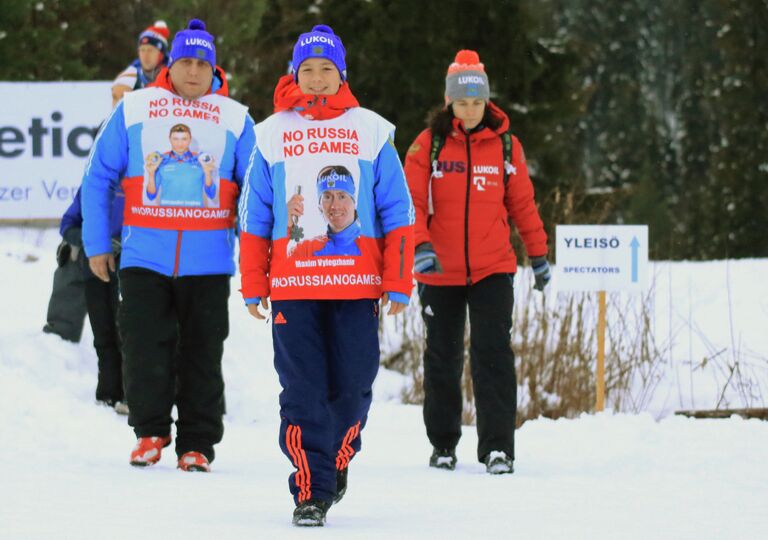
[(434, 152), (509, 168)]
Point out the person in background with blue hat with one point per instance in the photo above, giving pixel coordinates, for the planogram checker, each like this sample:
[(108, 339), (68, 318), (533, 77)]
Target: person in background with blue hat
[(176, 261), (325, 308)]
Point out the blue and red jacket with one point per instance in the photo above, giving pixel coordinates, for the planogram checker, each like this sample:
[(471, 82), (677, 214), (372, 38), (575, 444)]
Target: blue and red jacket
[(172, 240), (73, 216), (290, 259)]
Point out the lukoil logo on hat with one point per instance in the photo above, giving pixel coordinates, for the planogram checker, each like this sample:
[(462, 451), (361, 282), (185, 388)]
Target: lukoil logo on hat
[(320, 42), (336, 177), (466, 78), (194, 42)]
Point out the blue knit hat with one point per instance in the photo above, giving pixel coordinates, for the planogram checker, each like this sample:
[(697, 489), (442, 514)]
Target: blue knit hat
[(321, 42), (335, 177), (193, 42)]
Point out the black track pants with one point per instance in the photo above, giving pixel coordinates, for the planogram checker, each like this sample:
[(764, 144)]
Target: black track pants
[(157, 315), (103, 300), (494, 381)]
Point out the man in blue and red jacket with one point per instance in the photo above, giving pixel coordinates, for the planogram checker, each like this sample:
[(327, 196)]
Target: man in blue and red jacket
[(176, 260)]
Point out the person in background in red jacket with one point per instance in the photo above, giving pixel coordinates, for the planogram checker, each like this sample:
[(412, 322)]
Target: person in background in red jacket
[(465, 197)]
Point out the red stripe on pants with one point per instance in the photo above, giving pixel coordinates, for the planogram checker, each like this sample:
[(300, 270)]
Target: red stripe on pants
[(346, 451), (303, 476)]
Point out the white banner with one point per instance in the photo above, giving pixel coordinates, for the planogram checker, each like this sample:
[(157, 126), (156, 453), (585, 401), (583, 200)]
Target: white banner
[(46, 132)]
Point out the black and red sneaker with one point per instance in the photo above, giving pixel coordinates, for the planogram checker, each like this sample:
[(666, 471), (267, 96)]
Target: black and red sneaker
[(148, 450), (194, 462)]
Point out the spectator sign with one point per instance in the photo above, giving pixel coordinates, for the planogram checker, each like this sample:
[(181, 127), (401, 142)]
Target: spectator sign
[(602, 257)]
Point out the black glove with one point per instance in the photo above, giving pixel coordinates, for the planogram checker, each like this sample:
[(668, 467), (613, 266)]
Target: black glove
[(117, 246), (541, 272), (63, 253), (425, 260), (74, 236)]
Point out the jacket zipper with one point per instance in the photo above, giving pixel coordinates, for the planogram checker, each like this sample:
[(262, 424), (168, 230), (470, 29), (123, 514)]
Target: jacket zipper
[(178, 252), (466, 212)]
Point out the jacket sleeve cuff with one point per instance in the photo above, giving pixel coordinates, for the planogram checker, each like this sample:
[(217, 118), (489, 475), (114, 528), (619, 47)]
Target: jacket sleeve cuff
[(400, 298)]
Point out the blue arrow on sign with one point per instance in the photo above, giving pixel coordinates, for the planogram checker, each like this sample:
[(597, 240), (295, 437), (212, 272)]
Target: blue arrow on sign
[(634, 244)]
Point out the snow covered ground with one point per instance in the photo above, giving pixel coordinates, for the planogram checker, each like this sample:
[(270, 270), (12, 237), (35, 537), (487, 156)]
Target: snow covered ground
[(607, 476)]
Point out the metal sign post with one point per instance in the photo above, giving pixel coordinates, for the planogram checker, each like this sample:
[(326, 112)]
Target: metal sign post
[(601, 258)]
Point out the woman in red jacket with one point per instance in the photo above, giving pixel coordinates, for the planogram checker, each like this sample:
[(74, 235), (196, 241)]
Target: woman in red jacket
[(468, 179)]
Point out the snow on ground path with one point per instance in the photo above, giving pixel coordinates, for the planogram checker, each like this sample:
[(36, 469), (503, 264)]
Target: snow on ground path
[(595, 477), (608, 476)]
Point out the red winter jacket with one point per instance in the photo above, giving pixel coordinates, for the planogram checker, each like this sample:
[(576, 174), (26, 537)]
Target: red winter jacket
[(469, 228)]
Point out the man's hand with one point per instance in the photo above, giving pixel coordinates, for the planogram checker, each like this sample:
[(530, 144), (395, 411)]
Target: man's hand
[(394, 307), (152, 162), (295, 208), (253, 309), (207, 162), (102, 265), (118, 91)]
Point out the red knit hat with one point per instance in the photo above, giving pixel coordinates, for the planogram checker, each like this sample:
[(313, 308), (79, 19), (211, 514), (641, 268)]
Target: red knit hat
[(156, 35), (466, 78)]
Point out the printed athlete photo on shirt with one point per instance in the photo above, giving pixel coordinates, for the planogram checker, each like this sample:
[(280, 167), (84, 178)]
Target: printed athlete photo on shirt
[(180, 176), (334, 191)]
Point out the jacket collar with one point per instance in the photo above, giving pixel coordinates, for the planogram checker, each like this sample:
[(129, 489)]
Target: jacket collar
[(347, 235), (288, 96), (186, 156)]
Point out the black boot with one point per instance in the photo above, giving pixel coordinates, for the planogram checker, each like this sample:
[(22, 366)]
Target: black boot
[(341, 484), (443, 458), (498, 462), (311, 513)]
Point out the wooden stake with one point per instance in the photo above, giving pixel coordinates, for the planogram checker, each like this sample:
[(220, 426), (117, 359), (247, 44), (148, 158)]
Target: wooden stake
[(600, 382)]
